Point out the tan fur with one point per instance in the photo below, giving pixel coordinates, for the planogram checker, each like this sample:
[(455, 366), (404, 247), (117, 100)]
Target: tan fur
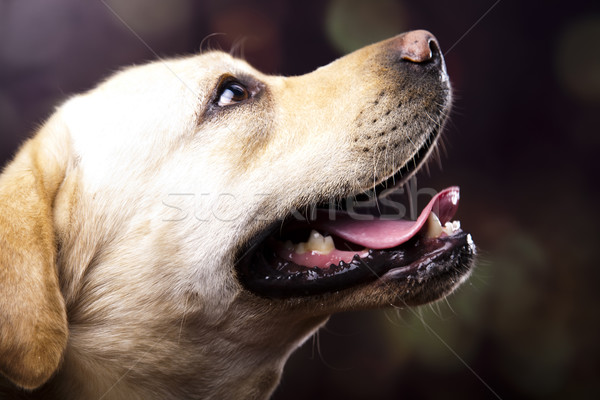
[(33, 327), (126, 210)]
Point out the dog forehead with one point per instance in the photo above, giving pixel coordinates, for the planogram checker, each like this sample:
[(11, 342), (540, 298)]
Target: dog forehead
[(144, 111), (154, 89)]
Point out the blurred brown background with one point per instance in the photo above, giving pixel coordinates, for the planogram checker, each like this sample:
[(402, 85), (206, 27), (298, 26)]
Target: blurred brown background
[(523, 145)]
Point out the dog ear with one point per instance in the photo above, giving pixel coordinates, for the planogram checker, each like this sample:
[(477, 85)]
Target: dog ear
[(33, 322)]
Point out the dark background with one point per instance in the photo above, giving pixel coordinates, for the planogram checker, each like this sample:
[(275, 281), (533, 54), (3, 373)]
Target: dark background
[(522, 143)]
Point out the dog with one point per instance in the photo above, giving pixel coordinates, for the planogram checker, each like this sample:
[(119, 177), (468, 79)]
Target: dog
[(158, 234)]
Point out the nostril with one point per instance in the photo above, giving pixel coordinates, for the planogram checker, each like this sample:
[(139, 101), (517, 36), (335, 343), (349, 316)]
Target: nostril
[(434, 48), (418, 46)]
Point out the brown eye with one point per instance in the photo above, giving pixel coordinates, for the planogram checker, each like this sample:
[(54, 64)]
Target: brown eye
[(232, 93)]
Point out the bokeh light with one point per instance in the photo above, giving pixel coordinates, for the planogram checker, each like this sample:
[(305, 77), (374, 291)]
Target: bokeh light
[(152, 17), (352, 24), (578, 58)]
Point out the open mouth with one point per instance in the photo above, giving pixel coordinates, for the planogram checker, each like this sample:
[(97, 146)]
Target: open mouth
[(338, 247)]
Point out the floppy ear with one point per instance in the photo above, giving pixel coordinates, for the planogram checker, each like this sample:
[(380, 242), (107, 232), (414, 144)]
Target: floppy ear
[(33, 322)]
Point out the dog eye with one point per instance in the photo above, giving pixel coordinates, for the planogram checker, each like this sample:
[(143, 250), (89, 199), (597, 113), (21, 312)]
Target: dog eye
[(231, 93)]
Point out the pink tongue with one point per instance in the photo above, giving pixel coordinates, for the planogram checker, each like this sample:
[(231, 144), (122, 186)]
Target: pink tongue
[(383, 234)]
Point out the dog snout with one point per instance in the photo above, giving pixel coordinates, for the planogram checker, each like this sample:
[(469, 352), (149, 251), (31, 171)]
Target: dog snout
[(418, 47)]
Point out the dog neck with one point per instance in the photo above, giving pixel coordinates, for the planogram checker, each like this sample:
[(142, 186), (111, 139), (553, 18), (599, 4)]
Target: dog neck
[(240, 356)]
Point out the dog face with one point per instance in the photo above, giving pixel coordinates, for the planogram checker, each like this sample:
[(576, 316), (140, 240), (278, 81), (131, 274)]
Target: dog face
[(174, 198)]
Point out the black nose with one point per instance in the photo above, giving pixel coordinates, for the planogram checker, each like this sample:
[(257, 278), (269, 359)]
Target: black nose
[(418, 47)]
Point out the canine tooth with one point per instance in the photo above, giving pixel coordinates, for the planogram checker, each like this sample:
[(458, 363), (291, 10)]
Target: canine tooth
[(434, 226)]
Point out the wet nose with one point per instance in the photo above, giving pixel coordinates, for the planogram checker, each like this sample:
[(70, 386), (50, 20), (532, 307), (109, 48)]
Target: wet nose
[(418, 47)]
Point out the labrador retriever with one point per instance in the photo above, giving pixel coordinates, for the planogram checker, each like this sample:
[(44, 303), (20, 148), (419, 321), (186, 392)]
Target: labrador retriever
[(166, 236)]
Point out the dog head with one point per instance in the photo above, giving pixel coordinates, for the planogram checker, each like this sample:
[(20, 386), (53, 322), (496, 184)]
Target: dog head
[(171, 208)]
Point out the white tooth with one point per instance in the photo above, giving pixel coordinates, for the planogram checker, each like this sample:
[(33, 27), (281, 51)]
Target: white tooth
[(300, 248), (315, 236), (329, 243), (451, 227), (317, 242), (314, 241), (447, 229), (434, 226)]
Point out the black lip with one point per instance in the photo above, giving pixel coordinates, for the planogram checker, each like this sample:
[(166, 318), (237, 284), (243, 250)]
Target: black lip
[(418, 260)]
